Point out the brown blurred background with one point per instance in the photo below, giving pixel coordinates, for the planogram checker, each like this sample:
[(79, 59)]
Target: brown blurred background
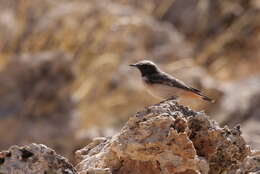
[(64, 68)]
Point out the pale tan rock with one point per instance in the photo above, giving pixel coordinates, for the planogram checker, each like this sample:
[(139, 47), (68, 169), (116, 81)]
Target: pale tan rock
[(166, 138), (33, 159)]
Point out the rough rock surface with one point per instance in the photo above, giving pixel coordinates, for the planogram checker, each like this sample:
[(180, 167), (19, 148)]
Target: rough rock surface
[(250, 164), (234, 110), (166, 138), (33, 159)]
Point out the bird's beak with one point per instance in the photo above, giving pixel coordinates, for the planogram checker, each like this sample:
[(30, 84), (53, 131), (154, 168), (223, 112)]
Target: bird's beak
[(133, 65)]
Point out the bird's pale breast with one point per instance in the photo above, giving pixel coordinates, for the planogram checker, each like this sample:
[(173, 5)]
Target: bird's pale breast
[(162, 91)]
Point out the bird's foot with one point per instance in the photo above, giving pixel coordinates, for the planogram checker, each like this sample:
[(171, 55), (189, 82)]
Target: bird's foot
[(172, 98), (169, 99)]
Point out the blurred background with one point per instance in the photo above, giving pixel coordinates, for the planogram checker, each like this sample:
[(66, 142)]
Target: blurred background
[(64, 74)]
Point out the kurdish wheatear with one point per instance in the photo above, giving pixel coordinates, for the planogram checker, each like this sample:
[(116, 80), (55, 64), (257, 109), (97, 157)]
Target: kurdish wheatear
[(162, 85)]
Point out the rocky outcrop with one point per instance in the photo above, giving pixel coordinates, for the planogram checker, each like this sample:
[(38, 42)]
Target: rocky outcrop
[(166, 138), (33, 159)]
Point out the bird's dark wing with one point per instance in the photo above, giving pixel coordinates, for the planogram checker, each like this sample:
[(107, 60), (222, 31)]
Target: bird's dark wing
[(166, 79)]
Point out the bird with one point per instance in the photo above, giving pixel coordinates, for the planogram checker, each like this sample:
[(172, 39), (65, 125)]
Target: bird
[(164, 86)]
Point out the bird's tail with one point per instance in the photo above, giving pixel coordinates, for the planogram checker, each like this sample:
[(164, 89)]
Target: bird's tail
[(204, 97)]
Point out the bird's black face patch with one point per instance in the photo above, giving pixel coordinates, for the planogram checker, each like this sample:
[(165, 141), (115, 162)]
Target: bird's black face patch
[(147, 69)]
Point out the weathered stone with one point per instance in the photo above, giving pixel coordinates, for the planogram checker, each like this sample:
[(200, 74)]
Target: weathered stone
[(33, 159), (167, 138)]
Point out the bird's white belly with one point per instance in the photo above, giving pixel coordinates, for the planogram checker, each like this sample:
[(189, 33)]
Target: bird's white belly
[(162, 91)]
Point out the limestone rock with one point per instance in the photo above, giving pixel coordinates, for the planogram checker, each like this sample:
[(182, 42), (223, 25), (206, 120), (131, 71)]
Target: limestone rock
[(33, 159), (166, 138)]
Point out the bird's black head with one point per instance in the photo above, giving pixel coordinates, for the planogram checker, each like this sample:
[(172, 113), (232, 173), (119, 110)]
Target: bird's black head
[(146, 67)]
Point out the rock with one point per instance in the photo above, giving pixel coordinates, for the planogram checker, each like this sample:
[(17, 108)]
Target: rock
[(32, 159), (166, 138), (163, 138), (250, 164), (241, 108)]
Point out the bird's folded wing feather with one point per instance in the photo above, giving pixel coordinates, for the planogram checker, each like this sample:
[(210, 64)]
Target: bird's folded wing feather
[(166, 79)]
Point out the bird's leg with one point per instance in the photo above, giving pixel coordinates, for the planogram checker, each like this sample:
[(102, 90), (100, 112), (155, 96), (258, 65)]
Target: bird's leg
[(170, 98)]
